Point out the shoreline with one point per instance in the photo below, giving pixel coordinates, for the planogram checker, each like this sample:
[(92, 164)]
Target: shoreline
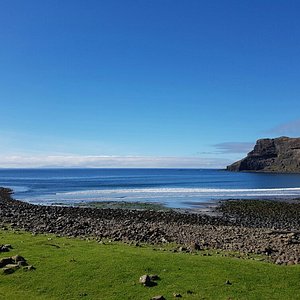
[(242, 227)]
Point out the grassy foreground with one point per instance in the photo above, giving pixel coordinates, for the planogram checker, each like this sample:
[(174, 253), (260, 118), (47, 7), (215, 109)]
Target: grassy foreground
[(81, 269)]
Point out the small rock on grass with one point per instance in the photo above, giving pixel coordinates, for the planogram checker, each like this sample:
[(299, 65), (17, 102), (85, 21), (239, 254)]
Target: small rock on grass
[(145, 280), (160, 297), (29, 268), (18, 258), (12, 266), (22, 263), (5, 261), (195, 246), (154, 277), (5, 248), (7, 271), (177, 295)]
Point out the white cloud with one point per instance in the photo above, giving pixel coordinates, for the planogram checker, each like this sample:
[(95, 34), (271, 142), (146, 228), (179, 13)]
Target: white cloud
[(83, 161)]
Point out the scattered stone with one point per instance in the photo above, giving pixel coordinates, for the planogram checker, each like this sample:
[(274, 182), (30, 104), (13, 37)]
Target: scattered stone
[(268, 251), (154, 277), (177, 295), (195, 246), (18, 258), (11, 264), (158, 298), (290, 262), (228, 282), (22, 263), (7, 271), (4, 248), (145, 280), (29, 268), (5, 261)]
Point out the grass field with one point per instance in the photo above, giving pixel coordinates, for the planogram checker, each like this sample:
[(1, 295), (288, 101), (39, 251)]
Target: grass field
[(82, 269)]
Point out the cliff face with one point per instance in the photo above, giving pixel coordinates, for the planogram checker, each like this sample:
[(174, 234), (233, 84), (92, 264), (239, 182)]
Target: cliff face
[(271, 155)]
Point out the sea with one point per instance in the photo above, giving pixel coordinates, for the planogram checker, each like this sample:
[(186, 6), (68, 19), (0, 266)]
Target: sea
[(174, 188)]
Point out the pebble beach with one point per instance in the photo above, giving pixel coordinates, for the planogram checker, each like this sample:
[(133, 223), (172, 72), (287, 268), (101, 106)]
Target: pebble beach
[(247, 227)]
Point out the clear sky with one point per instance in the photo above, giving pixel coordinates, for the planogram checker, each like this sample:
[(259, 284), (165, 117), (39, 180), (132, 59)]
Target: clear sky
[(160, 83)]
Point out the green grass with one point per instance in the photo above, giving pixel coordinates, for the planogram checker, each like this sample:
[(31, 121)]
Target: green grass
[(82, 269)]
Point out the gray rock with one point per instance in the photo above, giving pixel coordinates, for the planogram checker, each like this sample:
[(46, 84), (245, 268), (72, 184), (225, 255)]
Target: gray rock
[(22, 263), (154, 277), (7, 271), (29, 268), (17, 258), (145, 280), (195, 246), (4, 248), (177, 295), (12, 266), (5, 261)]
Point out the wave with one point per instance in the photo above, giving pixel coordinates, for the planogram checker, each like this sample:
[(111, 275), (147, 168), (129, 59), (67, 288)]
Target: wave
[(172, 197), (18, 189), (271, 191)]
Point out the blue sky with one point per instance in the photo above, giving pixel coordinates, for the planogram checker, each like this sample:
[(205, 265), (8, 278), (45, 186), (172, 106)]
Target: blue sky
[(159, 83)]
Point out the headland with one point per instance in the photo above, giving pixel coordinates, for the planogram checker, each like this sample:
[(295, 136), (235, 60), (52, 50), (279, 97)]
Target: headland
[(281, 155)]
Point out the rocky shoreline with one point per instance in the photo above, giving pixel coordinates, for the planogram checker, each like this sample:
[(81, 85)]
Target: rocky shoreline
[(247, 228)]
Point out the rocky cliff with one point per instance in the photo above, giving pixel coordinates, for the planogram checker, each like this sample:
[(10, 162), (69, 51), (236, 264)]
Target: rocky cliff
[(271, 155)]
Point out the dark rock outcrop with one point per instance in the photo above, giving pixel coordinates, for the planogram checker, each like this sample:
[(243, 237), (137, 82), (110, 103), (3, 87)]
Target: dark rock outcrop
[(271, 155)]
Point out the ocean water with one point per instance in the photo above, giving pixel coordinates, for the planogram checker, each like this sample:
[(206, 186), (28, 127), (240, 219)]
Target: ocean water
[(177, 188)]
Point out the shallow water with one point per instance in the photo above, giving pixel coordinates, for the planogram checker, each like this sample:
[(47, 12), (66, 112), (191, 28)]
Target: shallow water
[(177, 188)]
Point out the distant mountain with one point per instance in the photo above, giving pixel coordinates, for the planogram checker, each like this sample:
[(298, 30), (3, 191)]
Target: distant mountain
[(271, 155)]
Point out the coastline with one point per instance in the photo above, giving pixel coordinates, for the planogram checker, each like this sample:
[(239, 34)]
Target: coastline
[(229, 231)]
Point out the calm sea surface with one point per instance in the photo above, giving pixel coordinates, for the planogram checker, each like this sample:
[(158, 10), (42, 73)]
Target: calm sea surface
[(178, 188)]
